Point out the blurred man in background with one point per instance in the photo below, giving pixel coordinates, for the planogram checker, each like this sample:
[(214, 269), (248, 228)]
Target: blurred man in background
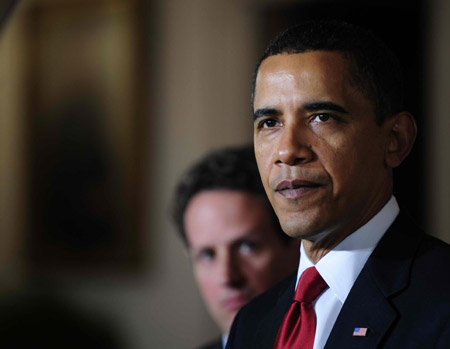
[(234, 240)]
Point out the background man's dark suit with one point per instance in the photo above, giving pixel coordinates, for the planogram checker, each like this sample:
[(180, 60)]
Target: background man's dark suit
[(402, 295), (217, 344)]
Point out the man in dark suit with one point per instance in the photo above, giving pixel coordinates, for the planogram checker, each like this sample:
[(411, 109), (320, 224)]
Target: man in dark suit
[(232, 235), (329, 128)]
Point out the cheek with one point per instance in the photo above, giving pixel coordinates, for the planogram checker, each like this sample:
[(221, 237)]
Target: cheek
[(263, 159), (350, 167), (261, 271), (340, 167), (338, 159), (207, 284)]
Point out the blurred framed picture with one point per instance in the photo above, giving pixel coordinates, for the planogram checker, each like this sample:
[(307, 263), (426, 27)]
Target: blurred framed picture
[(85, 134)]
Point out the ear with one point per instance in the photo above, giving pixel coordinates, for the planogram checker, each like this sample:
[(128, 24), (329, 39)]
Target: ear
[(402, 131)]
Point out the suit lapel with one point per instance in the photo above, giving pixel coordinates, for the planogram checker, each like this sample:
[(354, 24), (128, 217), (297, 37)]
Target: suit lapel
[(385, 274), (365, 307), (268, 329)]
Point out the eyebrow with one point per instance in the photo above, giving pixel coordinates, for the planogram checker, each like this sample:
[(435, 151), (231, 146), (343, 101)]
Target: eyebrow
[(259, 113), (310, 106), (324, 105)]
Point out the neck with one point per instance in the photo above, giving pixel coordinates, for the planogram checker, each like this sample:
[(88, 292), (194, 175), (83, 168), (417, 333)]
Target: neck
[(322, 243)]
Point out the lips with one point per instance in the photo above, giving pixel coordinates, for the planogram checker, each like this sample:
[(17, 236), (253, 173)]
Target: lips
[(235, 303), (295, 189)]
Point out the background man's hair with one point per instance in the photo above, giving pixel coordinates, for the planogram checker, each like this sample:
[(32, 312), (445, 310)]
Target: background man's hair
[(374, 69), (232, 168)]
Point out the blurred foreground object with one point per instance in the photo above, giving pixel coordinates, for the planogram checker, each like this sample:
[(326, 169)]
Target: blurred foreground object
[(44, 321)]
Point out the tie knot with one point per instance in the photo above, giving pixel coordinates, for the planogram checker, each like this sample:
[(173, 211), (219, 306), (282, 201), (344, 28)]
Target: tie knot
[(309, 286)]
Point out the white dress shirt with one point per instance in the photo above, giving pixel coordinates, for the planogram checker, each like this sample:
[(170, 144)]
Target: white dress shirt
[(224, 340), (341, 266)]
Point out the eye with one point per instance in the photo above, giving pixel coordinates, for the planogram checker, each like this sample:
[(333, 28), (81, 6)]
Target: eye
[(322, 117), (206, 255), (247, 247), (267, 123)]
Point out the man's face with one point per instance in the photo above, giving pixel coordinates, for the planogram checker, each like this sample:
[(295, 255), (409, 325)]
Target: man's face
[(235, 249), (319, 150)]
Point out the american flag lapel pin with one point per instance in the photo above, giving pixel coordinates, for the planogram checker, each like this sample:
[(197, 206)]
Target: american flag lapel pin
[(360, 332)]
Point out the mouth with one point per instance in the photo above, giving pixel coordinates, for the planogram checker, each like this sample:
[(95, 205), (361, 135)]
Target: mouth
[(295, 189), (235, 303)]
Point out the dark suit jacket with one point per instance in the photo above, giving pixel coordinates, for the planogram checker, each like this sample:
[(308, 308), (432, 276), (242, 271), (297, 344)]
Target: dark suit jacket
[(402, 295), (217, 344)]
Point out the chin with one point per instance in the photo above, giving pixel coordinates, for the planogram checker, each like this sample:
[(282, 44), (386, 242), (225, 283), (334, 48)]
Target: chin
[(225, 328), (299, 229)]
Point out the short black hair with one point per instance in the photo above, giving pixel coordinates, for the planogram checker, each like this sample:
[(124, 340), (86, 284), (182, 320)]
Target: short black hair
[(374, 69), (232, 168)]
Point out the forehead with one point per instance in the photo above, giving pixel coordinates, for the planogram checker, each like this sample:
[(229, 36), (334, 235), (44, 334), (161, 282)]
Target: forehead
[(222, 216), (313, 72)]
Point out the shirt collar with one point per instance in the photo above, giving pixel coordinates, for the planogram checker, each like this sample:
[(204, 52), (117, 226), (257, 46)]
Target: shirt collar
[(224, 340), (341, 266)]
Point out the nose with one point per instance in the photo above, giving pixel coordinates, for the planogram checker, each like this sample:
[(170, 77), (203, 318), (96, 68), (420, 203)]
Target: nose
[(293, 147), (231, 272)]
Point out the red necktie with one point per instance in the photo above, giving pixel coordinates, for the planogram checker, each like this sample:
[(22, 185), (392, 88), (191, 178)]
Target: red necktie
[(299, 324)]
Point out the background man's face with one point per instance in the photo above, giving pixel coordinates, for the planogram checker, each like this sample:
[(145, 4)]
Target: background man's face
[(318, 148), (236, 250)]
